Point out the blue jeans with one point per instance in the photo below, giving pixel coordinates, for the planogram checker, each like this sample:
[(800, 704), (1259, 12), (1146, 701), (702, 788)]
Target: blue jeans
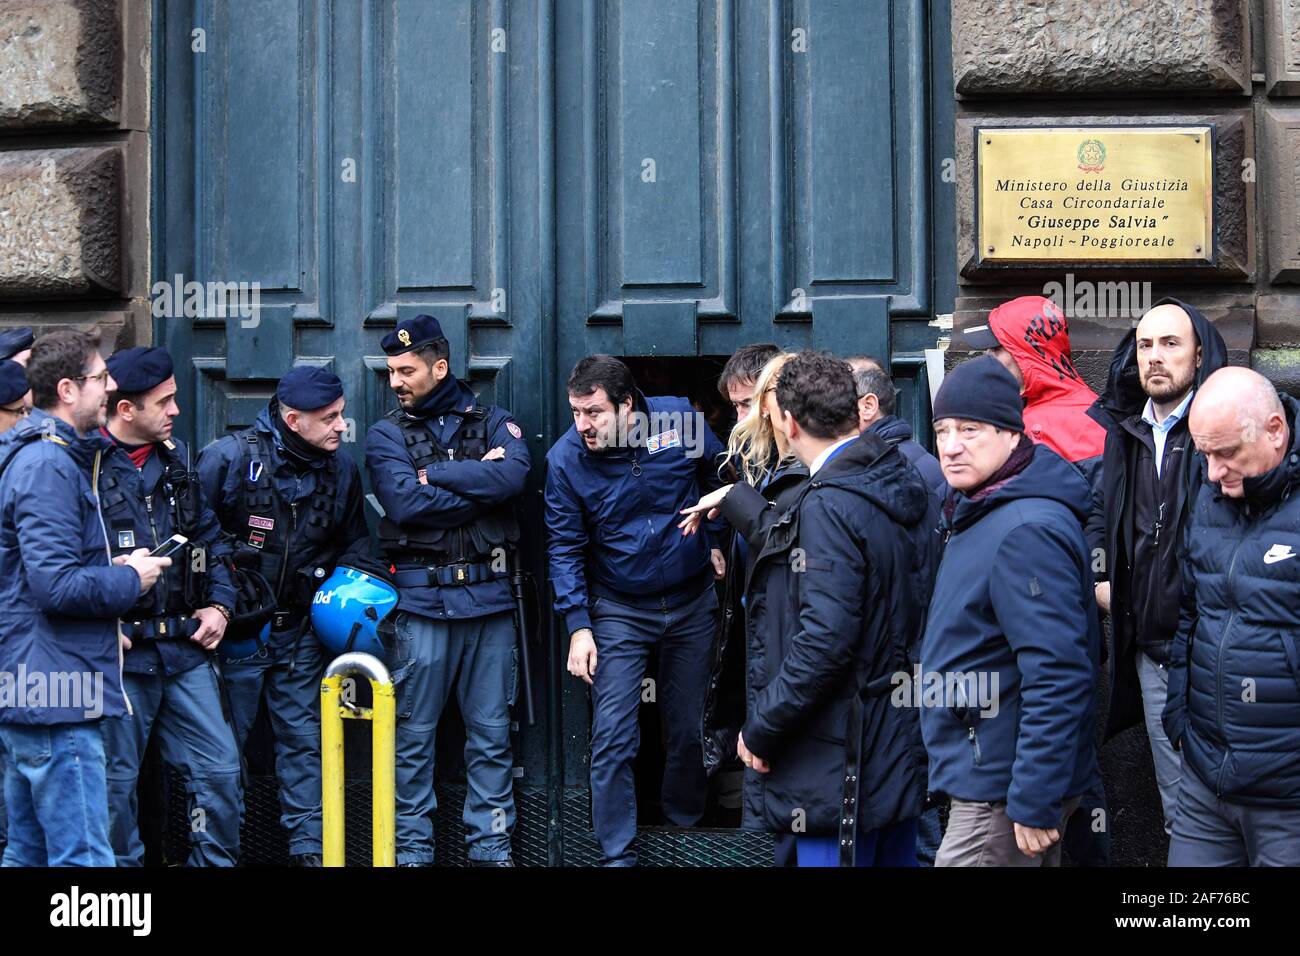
[(426, 660), (288, 671), (624, 636), (1154, 680), (57, 797), (894, 845), (929, 834), (184, 710)]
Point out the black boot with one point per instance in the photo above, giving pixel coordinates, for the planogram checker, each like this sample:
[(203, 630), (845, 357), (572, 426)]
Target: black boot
[(306, 859)]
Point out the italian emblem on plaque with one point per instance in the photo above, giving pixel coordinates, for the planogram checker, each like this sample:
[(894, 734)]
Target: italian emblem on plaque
[(1092, 156)]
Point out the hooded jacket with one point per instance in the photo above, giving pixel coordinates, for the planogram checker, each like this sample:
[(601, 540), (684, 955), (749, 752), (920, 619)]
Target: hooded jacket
[(899, 434), (1234, 679), (829, 608), (1014, 601), (1033, 329), (61, 596), (1119, 410)]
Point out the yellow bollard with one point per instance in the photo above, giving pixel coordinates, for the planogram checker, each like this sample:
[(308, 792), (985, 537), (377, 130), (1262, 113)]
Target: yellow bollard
[(334, 709)]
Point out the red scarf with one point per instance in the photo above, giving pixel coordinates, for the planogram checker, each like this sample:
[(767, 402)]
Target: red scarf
[(138, 454)]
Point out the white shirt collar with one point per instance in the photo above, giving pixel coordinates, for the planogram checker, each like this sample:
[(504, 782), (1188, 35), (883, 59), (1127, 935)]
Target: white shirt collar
[(826, 453), (1149, 413)]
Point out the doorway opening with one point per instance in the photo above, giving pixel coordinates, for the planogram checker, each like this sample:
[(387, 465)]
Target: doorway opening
[(695, 378)]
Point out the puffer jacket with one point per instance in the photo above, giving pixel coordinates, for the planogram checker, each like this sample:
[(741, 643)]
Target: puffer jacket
[(1234, 680)]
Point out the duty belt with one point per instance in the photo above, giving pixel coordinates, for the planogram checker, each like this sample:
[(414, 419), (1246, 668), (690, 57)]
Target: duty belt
[(159, 628), (458, 574)]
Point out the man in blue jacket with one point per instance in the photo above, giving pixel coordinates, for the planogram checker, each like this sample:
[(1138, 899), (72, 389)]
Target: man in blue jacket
[(290, 498), (447, 470), (62, 597), (626, 580), (877, 404), (1233, 709), (148, 492), (1012, 643), (13, 386)]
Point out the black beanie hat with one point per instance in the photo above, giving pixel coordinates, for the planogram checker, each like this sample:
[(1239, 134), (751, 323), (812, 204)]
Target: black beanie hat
[(981, 390)]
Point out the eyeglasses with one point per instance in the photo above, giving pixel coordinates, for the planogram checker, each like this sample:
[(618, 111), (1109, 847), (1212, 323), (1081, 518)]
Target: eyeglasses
[(20, 412), (101, 378)]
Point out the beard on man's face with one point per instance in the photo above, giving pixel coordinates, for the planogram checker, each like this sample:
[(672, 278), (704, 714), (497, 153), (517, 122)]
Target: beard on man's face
[(1161, 384)]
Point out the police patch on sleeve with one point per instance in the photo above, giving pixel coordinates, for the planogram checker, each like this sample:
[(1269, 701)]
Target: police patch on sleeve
[(657, 443), (514, 429)]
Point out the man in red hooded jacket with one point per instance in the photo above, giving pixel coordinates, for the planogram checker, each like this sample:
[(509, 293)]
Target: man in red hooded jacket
[(1030, 337)]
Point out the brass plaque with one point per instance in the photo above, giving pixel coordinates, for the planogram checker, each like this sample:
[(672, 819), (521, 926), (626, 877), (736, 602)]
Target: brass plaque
[(1095, 194)]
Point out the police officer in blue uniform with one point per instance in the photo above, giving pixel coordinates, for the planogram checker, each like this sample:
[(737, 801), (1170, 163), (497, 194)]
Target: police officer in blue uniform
[(147, 493), (13, 386), (446, 471), (16, 344), (626, 579), (291, 498)]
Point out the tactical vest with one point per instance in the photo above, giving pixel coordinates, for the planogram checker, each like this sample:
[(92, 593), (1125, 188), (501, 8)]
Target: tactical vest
[(186, 581), (474, 541), (293, 546)]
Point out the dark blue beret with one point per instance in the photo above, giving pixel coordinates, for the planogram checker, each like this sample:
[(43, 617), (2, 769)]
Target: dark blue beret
[(307, 388), (13, 382), (412, 334), (13, 341), (137, 370)]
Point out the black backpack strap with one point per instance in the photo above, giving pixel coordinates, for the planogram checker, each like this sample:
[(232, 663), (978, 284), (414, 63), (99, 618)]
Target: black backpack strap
[(259, 491), (473, 435), (318, 524), (417, 439)]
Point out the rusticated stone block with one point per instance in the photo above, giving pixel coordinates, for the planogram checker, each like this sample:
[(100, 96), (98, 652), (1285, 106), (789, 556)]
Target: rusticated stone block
[(1005, 47), (60, 63), (1279, 366), (60, 222), (1234, 196), (1282, 48), (1278, 320), (1280, 179)]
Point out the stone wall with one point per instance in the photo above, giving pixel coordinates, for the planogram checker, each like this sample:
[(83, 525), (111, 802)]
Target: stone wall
[(1235, 63), (74, 166)]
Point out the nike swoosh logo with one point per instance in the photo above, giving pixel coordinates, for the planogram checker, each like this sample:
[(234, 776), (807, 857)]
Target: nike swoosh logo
[(1272, 558)]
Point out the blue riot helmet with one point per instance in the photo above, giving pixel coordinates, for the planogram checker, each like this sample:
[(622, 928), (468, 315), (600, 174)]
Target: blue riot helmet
[(349, 611)]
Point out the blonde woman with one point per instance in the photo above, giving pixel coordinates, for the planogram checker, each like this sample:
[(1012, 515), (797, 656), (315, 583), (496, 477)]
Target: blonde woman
[(757, 448)]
